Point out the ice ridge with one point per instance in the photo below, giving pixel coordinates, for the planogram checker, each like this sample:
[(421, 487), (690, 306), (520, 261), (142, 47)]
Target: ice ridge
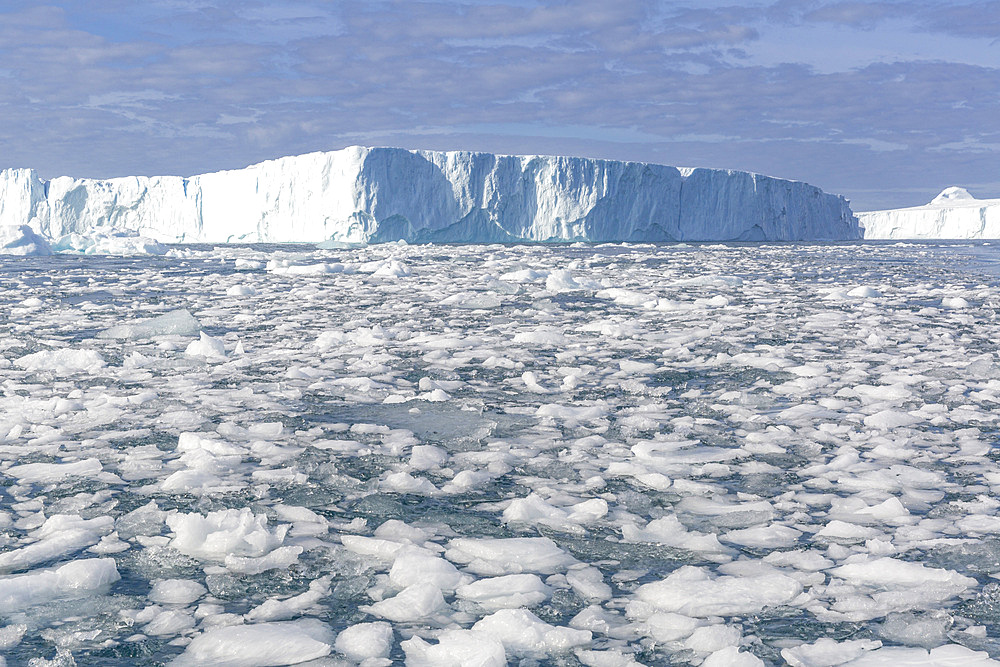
[(953, 214), (362, 194)]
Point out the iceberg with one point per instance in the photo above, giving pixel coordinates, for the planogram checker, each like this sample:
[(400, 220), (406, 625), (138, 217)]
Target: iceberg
[(22, 240), (953, 214), (117, 243), (365, 195)]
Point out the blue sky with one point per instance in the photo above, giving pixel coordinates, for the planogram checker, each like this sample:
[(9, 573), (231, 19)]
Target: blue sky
[(884, 102)]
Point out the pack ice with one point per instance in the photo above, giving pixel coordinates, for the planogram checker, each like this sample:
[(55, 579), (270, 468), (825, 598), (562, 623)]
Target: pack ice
[(953, 214), (441, 455), (385, 194)]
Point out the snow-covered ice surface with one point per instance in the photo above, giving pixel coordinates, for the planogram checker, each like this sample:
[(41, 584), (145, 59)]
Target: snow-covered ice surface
[(539, 455)]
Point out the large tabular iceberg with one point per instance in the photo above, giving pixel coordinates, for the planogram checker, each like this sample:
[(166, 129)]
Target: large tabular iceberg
[(953, 214), (385, 194)]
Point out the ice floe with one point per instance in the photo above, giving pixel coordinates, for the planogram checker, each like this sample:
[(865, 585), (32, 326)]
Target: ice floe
[(599, 455)]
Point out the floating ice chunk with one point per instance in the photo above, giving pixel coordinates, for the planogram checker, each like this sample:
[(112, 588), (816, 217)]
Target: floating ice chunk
[(48, 473), (954, 303), (890, 510), (667, 626), (60, 535), (281, 610), (372, 546), (78, 577), (242, 264), (534, 509), (514, 555), (926, 630), (22, 240), (472, 300), (455, 648), (466, 481), (285, 267), (950, 655), (841, 530), (506, 592), (224, 532), (606, 658), (145, 520), (709, 280), (525, 276), (392, 268), (413, 566), (877, 587), (588, 583), (365, 641), (404, 482), (670, 532), (259, 645), (572, 414), (524, 634), (530, 379), (109, 544), (541, 335), (694, 592), (864, 292), (279, 559), (396, 530), (731, 656), (427, 457), (893, 572), (712, 638), (871, 393), (10, 635), (828, 652), (774, 536), (118, 242), (562, 280), (176, 322), (207, 346), (169, 622), (809, 561), (65, 361), (413, 603), (890, 419), (241, 290), (176, 591)]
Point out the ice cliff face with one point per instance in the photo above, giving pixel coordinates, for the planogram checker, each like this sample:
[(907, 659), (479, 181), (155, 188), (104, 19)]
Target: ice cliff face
[(953, 214), (385, 194)]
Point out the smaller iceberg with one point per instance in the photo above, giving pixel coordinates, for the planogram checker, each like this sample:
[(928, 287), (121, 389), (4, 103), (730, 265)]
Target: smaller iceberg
[(953, 214), (176, 323), (113, 243), (22, 240)]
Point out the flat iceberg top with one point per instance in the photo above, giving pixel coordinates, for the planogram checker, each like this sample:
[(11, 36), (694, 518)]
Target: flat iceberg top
[(373, 195)]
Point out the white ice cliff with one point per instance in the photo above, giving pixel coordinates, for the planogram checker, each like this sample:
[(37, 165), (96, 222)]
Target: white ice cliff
[(953, 214), (385, 194)]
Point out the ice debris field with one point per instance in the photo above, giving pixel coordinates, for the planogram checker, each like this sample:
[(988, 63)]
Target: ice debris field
[(604, 455)]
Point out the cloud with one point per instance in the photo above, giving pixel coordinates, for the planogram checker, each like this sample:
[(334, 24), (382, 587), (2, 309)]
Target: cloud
[(975, 19), (864, 15)]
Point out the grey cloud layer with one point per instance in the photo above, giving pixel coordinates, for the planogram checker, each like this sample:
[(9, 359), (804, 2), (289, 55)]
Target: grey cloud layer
[(184, 86)]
